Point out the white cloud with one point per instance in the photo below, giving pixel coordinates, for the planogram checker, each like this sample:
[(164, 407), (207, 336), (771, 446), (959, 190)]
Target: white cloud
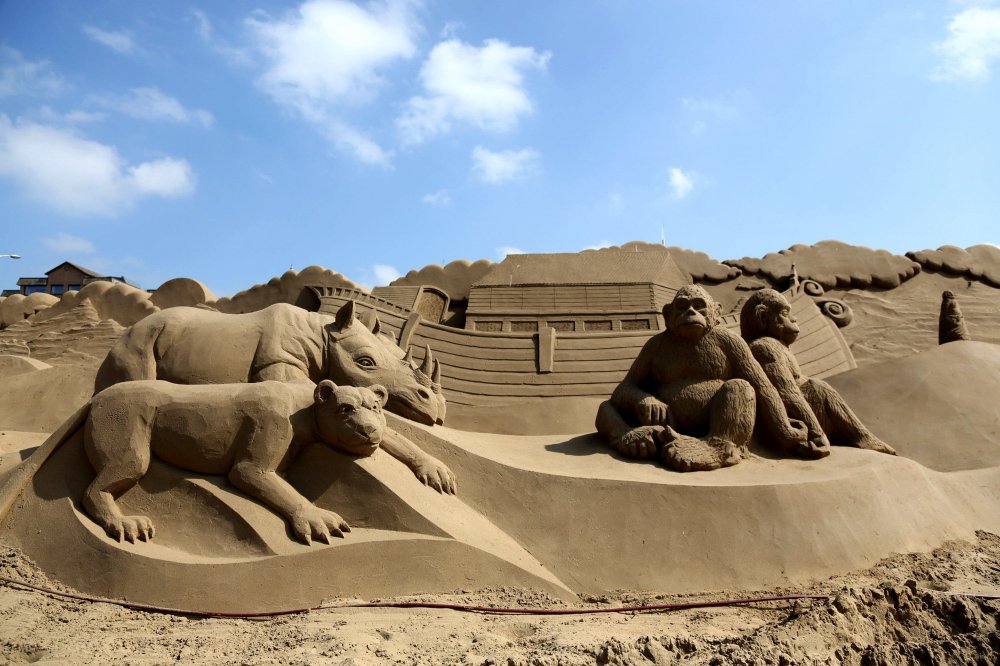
[(439, 198), (233, 54), (482, 87), (118, 41), (504, 250), (152, 104), (385, 274), (22, 77), (499, 167), (451, 29), (681, 183), (77, 117), (64, 243), (328, 54), (972, 46), (58, 168)]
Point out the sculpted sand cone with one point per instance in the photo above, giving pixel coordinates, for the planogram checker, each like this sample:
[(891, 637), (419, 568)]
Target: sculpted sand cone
[(951, 323)]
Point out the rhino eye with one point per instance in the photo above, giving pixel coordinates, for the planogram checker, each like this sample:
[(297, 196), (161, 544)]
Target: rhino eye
[(365, 361)]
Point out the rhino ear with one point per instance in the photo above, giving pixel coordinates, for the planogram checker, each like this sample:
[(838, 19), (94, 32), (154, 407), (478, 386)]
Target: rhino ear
[(345, 315), (324, 391), (370, 319)]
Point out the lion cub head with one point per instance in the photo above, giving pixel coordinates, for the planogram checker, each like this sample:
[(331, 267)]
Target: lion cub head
[(350, 418)]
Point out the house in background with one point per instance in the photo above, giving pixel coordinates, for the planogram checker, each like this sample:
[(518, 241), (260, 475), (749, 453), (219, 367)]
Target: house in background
[(65, 277), (604, 290)]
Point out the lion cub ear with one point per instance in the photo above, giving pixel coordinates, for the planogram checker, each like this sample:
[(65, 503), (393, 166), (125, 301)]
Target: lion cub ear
[(380, 392), (324, 391)]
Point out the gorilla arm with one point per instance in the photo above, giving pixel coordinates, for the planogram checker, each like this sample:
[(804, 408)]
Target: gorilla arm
[(773, 358), (791, 436), (631, 399)]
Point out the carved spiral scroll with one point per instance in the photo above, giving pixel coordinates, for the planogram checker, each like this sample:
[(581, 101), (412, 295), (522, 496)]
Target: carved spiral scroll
[(812, 288), (837, 310)]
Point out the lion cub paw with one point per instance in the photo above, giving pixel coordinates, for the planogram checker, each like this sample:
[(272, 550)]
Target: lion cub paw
[(311, 522), (130, 528), (690, 454)]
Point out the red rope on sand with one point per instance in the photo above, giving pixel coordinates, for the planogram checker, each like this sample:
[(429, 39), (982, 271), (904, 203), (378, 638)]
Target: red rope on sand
[(417, 604), (467, 608)]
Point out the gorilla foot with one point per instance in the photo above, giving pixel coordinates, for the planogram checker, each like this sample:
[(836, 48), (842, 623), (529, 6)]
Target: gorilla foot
[(690, 454), (639, 443), (873, 443)]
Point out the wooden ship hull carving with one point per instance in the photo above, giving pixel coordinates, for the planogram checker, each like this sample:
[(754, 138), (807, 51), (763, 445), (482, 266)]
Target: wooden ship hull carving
[(550, 382)]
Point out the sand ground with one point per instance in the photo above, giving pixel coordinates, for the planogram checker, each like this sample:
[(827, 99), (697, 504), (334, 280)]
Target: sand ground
[(907, 609)]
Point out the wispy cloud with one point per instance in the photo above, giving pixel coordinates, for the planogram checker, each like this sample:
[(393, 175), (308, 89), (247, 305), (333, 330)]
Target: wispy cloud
[(700, 113), (478, 86), (22, 77), (118, 41), (972, 46), (153, 104), (384, 274), (330, 54), (681, 182), (233, 54), (64, 243), (503, 166), (439, 198), (504, 250), (64, 171)]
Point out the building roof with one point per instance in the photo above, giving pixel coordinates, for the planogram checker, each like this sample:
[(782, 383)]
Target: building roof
[(85, 271), (585, 268), (32, 282)]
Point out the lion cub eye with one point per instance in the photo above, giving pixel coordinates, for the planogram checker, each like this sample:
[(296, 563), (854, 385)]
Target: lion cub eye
[(346, 409)]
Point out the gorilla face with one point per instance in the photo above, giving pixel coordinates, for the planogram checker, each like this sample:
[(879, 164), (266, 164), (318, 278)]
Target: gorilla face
[(691, 313), (782, 324)]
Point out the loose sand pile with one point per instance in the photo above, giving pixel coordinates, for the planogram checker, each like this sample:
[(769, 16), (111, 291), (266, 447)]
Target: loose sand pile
[(907, 609)]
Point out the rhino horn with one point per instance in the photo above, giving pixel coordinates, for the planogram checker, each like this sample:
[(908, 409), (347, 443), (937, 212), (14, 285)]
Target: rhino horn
[(436, 376), (408, 358), (428, 365)]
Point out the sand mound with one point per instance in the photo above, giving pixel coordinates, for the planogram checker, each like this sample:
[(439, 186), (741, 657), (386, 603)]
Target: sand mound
[(292, 287), (979, 262), (78, 335), (833, 264), (181, 292), (454, 278), (120, 302), (40, 401), (939, 407)]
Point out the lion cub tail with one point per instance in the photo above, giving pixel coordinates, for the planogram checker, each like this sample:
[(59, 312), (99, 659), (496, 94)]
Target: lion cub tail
[(17, 480)]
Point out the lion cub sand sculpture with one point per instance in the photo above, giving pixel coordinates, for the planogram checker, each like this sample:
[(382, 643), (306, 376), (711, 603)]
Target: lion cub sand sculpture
[(766, 323), (696, 377), (246, 431), (282, 342)]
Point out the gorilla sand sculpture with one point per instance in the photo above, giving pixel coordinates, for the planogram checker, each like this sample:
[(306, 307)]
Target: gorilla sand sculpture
[(245, 431), (281, 342), (766, 323), (693, 378)]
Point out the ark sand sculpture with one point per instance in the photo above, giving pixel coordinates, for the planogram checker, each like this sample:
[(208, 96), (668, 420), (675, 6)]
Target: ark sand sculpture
[(551, 508)]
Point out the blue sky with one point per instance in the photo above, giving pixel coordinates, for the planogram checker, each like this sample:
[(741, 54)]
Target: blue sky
[(229, 141)]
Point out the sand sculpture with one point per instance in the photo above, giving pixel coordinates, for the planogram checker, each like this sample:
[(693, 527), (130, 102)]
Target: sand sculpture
[(281, 342), (766, 323), (690, 399), (951, 323), (696, 376)]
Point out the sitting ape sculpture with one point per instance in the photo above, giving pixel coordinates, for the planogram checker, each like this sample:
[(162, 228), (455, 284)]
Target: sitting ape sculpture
[(698, 378), (246, 431), (767, 325)]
